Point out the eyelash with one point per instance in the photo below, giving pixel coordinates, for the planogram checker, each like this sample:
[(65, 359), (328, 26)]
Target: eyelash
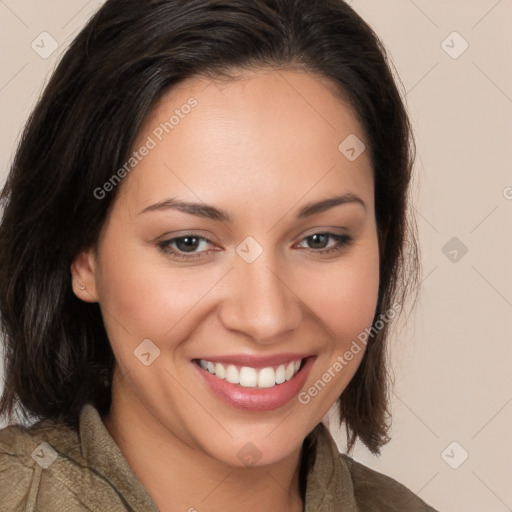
[(343, 241)]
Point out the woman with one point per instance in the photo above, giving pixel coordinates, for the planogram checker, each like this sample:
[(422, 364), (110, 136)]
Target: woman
[(203, 245)]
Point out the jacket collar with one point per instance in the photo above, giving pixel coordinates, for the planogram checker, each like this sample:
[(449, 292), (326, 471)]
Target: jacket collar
[(329, 482), (329, 485), (102, 452)]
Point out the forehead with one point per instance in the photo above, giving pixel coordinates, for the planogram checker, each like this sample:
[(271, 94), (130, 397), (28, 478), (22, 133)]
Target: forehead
[(265, 132)]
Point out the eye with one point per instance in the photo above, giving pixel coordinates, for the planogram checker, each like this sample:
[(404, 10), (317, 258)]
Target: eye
[(185, 247), (319, 242)]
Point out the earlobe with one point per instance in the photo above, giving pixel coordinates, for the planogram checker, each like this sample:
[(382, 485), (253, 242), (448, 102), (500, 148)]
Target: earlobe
[(83, 276)]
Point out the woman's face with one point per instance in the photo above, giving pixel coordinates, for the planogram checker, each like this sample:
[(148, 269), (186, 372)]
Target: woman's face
[(269, 281)]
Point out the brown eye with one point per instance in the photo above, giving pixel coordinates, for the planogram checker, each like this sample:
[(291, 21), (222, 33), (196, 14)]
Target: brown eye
[(319, 242), (185, 247)]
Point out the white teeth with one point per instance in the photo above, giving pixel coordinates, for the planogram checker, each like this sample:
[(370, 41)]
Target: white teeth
[(290, 370), (220, 371), (280, 374), (248, 377), (251, 377), (232, 374), (267, 378)]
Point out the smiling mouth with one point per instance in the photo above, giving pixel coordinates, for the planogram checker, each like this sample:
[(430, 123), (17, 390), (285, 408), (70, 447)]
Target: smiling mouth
[(248, 377)]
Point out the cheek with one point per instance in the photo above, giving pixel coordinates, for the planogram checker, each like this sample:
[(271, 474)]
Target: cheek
[(344, 300), (143, 297), (146, 297), (345, 297)]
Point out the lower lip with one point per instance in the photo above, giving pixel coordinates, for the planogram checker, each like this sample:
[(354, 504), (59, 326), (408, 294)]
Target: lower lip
[(257, 399)]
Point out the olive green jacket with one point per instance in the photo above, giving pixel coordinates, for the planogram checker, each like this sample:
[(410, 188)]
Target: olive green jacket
[(52, 468)]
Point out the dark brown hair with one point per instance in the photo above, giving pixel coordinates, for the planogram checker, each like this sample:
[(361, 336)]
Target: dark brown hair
[(57, 354)]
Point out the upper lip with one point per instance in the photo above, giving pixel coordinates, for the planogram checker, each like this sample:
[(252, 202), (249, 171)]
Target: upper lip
[(257, 361)]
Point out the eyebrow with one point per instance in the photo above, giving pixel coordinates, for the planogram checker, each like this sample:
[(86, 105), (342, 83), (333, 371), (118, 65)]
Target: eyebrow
[(217, 214)]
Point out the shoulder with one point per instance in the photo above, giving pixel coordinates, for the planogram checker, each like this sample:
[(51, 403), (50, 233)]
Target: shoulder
[(42, 468), (20, 440), (25, 453), (376, 492)]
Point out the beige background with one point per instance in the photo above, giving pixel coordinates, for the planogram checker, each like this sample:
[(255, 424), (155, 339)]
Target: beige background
[(452, 360)]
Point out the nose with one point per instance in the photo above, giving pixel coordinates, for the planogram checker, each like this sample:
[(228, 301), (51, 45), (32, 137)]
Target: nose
[(260, 301)]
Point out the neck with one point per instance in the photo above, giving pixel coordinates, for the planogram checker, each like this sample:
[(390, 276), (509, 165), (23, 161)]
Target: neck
[(182, 477)]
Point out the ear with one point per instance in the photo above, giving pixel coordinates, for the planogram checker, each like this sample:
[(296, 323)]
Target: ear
[(83, 272)]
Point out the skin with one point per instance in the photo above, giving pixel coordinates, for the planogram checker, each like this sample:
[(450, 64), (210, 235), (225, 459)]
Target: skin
[(260, 147)]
